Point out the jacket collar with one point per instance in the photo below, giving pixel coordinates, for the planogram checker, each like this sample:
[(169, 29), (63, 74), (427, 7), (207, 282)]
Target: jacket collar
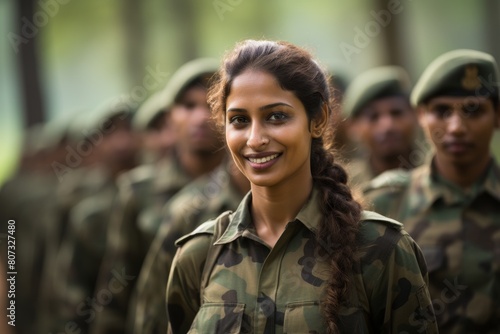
[(241, 220), (434, 187)]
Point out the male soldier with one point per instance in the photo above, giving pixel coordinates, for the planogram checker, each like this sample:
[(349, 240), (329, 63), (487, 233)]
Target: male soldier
[(203, 199), (28, 198), (451, 204), (381, 119), (153, 125), (83, 244), (146, 189)]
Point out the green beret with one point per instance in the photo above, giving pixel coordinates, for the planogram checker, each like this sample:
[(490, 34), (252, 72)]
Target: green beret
[(163, 100), (148, 112), (86, 123), (374, 84), (57, 130), (458, 73)]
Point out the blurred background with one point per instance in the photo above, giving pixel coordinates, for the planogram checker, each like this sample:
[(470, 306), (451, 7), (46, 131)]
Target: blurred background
[(61, 56)]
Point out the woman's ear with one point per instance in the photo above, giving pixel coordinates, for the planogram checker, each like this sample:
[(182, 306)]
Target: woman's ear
[(320, 122)]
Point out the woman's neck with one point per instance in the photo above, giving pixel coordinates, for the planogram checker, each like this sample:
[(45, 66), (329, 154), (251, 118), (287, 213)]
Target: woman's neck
[(274, 207)]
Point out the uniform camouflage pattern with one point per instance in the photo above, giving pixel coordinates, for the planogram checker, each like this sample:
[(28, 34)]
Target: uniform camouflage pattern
[(201, 200), (255, 289), (143, 192), (459, 234), (28, 198), (76, 186), (80, 256)]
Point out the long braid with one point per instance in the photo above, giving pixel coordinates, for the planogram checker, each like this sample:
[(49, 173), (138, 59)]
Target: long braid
[(338, 229)]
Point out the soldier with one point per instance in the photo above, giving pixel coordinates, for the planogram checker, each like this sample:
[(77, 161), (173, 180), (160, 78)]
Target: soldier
[(153, 125), (299, 254), (381, 119), (28, 198), (203, 199), (145, 190), (83, 244), (451, 205)]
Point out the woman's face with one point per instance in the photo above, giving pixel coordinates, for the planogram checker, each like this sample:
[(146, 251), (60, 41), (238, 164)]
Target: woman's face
[(267, 130)]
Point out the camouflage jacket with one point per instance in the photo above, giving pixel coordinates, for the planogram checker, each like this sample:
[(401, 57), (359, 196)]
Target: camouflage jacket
[(28, 198), (254, 289), (80, 256), (201, 200), (459, 234), (142, 193), (80, 185)]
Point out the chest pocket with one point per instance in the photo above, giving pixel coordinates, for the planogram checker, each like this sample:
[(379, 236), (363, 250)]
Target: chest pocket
[(219, 318), (306, 317), (303, 317)]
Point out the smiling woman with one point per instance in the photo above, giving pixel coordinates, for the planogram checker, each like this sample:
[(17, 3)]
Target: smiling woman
[(299, 254)]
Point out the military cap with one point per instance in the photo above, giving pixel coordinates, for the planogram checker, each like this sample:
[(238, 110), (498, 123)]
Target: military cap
[(85, 123), (162, 101), (149, 111), (339, 81), (458, 73), (374, 84), (56, 130)]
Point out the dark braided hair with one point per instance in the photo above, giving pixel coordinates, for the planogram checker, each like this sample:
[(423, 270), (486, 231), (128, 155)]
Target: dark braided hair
[(296, 71)]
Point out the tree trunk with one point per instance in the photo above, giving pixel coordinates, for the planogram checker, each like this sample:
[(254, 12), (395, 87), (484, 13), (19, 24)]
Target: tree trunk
[(28, 64), (391, 39), (133, 29)]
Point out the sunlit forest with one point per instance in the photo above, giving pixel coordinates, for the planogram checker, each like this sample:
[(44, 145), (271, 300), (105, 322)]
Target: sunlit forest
[(59, 57)]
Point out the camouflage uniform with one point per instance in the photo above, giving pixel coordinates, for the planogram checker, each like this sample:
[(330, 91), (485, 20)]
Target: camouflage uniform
[(201, 200), (143, 192), (255, 289), (80, 256), (76, 186), (459, 233), (28, 199)]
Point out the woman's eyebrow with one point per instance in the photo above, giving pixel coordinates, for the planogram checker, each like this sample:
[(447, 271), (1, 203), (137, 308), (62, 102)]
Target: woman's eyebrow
[(266, 107), (278, 104)]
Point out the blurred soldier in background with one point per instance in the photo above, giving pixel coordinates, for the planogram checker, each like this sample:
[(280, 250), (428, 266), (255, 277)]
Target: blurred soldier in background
[(451, 204), (82, 247), (203, 199), (154, 128), (381, 119), (145, 190), (341, 141), (29, 198)]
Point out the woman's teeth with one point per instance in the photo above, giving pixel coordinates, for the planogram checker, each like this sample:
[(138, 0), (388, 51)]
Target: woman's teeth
[(262, 160)]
